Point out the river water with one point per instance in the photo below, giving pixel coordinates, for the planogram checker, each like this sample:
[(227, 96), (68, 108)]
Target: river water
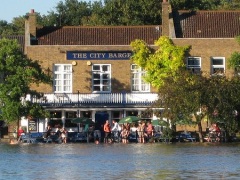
[(119, 161)]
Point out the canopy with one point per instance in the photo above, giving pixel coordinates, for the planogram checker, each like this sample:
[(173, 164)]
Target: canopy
[(82, 120), (159, 122), (129, 119)]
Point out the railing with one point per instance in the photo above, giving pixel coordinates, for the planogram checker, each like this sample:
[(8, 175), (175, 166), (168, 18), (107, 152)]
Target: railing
[(57, 99)]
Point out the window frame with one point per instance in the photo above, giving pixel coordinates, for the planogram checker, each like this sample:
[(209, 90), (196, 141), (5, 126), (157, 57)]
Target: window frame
[(192, 67), (141, 81), (62, 72), (218, 66), (101, 79)]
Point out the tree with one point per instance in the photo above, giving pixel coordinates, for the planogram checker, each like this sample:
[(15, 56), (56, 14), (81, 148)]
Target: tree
[(6, 28), (234, 60), (187, 98), (18, 73), (159, 64), (222, 100)]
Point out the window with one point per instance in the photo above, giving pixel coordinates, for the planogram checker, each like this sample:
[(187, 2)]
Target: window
[(116, 115), (62, 78), (101, 78), (138, 83), (218, 65), (194, 64)]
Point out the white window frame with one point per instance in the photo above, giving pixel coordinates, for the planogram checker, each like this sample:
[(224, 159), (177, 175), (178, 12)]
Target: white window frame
[(62, 82), (138, 83), (101, 72), (215, 67), (195, 67)]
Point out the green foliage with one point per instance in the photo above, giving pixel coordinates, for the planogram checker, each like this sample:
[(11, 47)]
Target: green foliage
[(189, 98), (18, 73), (159, 64), (221, 97), (234, 60)]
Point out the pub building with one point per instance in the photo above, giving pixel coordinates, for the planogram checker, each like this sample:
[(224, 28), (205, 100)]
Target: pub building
[(93, 75)]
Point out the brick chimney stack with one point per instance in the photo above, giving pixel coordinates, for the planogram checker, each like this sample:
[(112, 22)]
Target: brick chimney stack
[(30, 28), (32, 23), (165, 18)]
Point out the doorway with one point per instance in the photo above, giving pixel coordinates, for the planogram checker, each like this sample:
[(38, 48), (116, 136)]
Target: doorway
[(100, 119)]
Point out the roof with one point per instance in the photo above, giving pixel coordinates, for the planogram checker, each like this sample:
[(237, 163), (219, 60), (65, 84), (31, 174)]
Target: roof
[(207, 24), (19, 38), (94, 35)]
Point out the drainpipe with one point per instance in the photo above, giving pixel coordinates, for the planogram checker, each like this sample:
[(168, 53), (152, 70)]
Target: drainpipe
[(124, 98)]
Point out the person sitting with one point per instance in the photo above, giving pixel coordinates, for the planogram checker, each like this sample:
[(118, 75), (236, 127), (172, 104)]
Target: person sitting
[(13, 141), (97, 140)]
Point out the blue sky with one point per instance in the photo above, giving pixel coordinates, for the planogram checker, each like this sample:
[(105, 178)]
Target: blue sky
[(14, 8)]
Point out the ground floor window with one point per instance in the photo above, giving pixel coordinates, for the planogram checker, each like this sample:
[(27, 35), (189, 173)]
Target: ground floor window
[(116, 115), (131, 113)]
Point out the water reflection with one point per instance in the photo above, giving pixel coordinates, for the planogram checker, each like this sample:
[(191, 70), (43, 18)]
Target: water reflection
[(120, 161)]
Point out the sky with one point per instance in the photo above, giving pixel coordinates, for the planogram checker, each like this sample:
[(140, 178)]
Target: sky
[(15, 8)]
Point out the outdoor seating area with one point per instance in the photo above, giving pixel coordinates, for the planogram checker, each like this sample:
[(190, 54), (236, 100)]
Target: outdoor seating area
[(185, 137)]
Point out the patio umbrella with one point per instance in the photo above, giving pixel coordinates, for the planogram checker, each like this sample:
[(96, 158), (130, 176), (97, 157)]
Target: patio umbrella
[(82, 120), (158, 122), (129, 119)]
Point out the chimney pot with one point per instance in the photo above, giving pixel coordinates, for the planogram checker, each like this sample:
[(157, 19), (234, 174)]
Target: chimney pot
[(32, 11)]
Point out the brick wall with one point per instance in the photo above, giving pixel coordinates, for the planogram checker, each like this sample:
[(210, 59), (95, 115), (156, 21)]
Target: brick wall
[(207, 48), (49, 55), (121, 75)]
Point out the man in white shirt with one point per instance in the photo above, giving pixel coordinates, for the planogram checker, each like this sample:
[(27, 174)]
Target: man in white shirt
[(116, 130)]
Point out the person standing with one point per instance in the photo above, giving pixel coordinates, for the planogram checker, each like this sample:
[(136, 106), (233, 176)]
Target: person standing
[(140, 132), (125, 134), (20, 133), (149, 131), (107, 131), (64, 135), (116, 130), (48, 131)]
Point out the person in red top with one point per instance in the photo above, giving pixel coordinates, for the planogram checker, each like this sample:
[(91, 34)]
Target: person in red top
[(107, 131), (20, 133)]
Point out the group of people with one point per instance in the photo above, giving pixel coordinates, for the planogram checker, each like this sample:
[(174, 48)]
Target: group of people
[(110, 133), (20, 133), (144, 132), (214, 133), (61, 134)]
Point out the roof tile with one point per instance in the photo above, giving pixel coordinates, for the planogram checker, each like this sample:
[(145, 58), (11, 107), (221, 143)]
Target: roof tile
[(107, 35), (207, 24)]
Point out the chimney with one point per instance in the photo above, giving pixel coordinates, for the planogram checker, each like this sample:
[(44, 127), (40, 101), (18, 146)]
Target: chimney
[(32, 23), (165, 18), (30, 28)]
